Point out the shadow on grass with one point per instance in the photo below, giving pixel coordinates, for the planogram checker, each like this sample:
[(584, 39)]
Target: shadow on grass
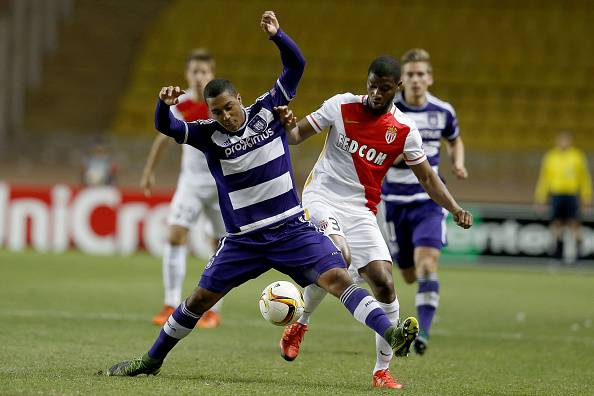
[(216, 380)]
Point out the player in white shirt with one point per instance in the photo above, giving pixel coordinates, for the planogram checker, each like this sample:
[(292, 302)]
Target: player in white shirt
[(367, 133), (196, 191)]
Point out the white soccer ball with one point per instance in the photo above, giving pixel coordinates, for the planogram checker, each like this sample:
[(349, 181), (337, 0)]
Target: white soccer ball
[(281, 303)]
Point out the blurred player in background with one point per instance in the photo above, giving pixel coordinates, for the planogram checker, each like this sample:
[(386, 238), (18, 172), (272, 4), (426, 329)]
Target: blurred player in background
[(565, 183), (196, 191), (248, 155), (366, 135), (415, 223), (98, 168)]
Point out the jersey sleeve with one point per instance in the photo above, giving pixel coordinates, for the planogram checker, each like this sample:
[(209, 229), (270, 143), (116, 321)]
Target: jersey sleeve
[(413, 148), (452, 130), (192, 133), (285, 88), (325, 115)]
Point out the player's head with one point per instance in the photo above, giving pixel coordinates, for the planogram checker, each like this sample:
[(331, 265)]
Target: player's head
[(224, 103), (417, 74), (99, 148), (383, 80), (200, 67), (564, 140)]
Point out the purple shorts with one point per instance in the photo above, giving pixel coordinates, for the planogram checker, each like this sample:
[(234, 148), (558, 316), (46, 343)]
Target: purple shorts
[(295, 248), (420, 224)]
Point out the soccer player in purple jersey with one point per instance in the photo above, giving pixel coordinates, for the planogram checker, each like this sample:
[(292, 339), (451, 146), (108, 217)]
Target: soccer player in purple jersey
[(248, 156), (415, 223)]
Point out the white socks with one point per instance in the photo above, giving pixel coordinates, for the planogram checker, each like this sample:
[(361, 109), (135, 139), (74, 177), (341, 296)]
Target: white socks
[(312, 296), (174, 271), (383, 350)]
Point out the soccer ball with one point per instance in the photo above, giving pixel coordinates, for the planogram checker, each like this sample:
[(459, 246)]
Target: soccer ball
[(281, 303)]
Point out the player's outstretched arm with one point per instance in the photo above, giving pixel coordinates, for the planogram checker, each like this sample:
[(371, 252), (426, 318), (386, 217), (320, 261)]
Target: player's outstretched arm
[(440, 194), (147, 181), (455, 150), (165, 122), (292, 59), (297, 131), (182, 132)]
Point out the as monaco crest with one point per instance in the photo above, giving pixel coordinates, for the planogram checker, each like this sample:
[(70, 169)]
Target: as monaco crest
[(390, 135)]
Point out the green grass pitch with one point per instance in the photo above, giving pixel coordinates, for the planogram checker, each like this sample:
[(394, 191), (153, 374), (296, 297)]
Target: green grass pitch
[(500, 332)]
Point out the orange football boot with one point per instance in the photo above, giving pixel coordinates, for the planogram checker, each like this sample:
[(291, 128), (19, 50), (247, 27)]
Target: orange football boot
[(291, 340), (160, 318), (384, 379), (209, 320)]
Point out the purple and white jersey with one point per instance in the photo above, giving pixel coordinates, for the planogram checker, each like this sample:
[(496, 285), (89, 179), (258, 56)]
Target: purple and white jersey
[(251, 166), (435, 120)]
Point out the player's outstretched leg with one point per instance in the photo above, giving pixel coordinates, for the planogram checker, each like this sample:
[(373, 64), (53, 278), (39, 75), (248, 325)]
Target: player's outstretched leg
[(366, 310), (174, 272), (293, 334), (312, 297), (179, 325), (427, 298), (381, 376), (378, 275), (212, 318)]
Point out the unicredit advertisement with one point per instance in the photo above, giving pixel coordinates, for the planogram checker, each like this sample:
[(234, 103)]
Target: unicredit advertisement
[(94, 220), (109, 220)]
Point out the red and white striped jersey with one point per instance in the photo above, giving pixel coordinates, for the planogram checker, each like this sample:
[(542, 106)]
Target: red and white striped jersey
[(360, 148)]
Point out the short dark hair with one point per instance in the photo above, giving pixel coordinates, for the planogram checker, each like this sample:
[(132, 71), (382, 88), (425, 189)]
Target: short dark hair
[(201, 55), (385, 66), (217, 86)]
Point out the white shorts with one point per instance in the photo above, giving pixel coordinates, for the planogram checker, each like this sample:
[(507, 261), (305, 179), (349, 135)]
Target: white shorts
[(359, 227), (190, 202)]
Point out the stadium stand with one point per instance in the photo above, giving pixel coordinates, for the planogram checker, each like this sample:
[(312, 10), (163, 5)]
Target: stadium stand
[(28, 30), (102, 37), (508, 97), (516, 72)]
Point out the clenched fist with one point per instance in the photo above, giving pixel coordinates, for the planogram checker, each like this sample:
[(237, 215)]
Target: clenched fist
[(287, 118), (269, 23), (170, 95), (463, 218)]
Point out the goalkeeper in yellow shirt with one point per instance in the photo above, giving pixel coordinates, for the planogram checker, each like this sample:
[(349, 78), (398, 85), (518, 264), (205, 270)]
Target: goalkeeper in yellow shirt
[(565, 183)]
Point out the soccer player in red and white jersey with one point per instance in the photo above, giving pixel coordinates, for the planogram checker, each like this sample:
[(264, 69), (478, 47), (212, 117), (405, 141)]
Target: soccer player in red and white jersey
[(367, 133), (196, 191)]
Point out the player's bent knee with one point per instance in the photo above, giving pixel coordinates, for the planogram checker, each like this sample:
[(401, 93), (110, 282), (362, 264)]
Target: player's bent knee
[(426, 259), (379, 276), (201, 300), (178, 235), (426, 265), (384, 292), (335, 281)]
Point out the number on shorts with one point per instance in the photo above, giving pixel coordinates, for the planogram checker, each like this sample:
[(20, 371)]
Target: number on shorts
[(334, 223)]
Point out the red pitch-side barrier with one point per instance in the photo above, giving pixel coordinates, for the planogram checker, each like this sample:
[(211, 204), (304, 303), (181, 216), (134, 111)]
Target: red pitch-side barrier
[(95, 220)]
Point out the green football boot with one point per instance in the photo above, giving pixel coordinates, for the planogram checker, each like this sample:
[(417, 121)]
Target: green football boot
[(402, 337), (131, 368)]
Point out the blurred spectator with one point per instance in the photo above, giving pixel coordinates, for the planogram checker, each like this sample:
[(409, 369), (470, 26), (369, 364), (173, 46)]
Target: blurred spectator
[(98, 168), (564, 182)]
